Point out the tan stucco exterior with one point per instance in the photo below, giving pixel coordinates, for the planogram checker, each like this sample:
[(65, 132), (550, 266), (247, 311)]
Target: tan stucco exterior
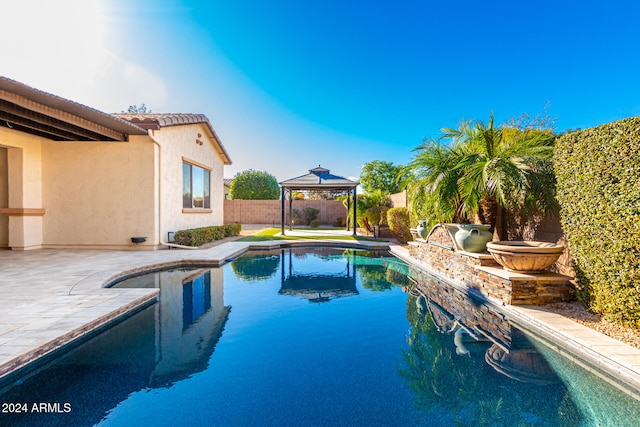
[(23, 189), (4, 198), (190, 143), (99, 194)]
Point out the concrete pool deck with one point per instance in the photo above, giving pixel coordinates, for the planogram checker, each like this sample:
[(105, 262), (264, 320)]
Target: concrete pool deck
[(53, 298)]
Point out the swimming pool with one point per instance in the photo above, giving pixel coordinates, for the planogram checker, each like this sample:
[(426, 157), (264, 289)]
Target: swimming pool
[(324, 336)]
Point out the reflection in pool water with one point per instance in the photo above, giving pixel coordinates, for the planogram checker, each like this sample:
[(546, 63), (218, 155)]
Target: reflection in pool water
[(316, 286), (243, 345)]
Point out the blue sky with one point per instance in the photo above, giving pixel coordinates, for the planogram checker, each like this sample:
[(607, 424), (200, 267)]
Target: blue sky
[(289, 85)]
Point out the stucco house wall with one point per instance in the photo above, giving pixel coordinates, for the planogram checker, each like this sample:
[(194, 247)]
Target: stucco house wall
[(193, 144), (99, 194), (4, 198), (23, 189), (74, 177)]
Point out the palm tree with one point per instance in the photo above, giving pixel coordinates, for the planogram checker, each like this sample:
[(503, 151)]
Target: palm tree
[(432, 182), (485, 168)]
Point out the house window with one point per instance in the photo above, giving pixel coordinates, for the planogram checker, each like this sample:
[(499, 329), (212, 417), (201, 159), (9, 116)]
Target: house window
[(196, 299), (196, 185)]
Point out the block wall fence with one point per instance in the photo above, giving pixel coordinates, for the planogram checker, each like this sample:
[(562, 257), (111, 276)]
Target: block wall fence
[(270, 211)]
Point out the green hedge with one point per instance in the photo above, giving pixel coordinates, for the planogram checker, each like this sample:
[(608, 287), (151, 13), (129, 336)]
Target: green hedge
[(399, 220), (202, 235), (598, 174)]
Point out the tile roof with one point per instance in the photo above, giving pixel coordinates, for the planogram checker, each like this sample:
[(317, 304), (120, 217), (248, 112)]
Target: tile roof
[(155, 121)]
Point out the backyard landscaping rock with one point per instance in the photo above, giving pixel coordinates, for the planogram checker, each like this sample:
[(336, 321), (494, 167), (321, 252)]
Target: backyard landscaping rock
[(577, 311)]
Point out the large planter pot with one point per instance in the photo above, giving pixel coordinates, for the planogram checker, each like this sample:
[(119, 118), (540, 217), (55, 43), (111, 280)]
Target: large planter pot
[(524, 256), (473, 237)]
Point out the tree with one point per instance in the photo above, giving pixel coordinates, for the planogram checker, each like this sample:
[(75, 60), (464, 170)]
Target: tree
[(323, 194), (380, 175), (254, 185), (138, 109), (432, 182), (486, 167)]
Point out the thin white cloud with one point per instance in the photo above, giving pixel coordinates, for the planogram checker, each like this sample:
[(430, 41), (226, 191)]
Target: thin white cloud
[(59, 46), (122, 83)]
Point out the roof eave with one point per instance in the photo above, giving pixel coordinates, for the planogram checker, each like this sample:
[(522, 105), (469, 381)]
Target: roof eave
[(64, 110)]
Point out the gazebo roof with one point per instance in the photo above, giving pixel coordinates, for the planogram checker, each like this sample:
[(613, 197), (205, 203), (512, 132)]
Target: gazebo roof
[(315, 287), (319, 179)]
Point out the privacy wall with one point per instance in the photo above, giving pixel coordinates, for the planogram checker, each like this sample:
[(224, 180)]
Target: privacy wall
[(270, 211)]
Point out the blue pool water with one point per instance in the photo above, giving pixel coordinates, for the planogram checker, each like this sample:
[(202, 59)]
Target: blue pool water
[(315, 337)]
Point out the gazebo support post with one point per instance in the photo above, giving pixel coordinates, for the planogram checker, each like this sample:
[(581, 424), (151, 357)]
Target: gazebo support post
[(290, 210), (282, 212), (355, 209), (348, 207)]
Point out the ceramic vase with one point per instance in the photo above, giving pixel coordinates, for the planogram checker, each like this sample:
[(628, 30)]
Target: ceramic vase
[(473, 237), (422, 229)]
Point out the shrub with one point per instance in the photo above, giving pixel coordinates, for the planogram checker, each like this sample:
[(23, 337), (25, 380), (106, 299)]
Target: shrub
[(309, 214), (397, 278), (255, 267), (598, 171), (199, 236), (315, 223), (339, 222), (377, 215), (364, 202), (359, 215), (399, 220), (296, 216)]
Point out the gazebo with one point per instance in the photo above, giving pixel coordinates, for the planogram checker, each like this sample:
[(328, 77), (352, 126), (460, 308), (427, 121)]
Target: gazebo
[(322, 180)]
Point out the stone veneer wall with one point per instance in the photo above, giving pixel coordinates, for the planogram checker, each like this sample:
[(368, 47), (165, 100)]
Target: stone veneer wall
[(480, 271)]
